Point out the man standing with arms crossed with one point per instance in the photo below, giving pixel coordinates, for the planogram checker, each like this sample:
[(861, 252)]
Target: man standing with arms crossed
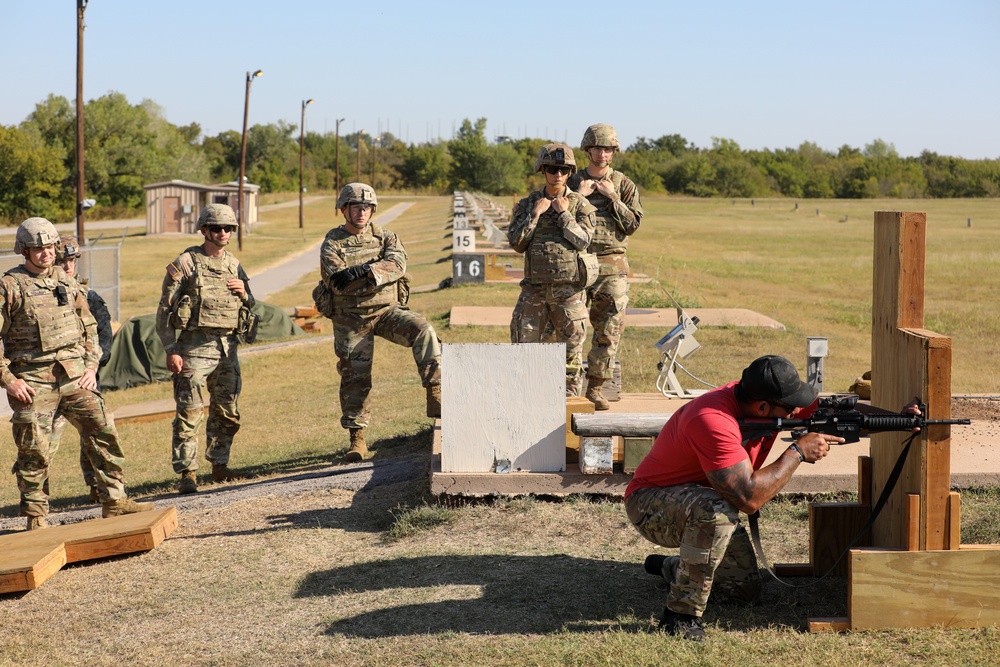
[(203, 293), (618, 215), (49, 365)]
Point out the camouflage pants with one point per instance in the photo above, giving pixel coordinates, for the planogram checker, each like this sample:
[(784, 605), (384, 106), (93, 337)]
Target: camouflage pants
[(354, 344), (211, 373), (58, 426), (32, 429), (608, 299), (716, 556), (562, 304)]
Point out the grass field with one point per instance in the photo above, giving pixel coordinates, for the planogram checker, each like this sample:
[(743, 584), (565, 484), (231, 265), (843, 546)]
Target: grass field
[(389, 576)]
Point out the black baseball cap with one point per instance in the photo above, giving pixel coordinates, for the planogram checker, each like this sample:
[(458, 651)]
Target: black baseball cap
[(774, 379)]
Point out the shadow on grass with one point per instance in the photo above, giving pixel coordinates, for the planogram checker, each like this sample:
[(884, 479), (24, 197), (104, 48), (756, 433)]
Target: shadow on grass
[(538, 594), (519, 595)]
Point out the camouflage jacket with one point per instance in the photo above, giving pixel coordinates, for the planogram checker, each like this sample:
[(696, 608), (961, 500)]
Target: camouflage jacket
[(380, 249), (553, 241), (617, 218), (41, 329), (194, 295)]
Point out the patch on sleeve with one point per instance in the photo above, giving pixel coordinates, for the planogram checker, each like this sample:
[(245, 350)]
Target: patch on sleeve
[(173, 270)]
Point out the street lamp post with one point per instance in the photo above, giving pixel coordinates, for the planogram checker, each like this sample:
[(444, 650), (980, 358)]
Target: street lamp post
[(336, 157), (81, 7), (243, 160), (302, 163)]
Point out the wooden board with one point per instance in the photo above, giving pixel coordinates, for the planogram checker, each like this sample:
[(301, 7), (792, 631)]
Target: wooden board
[(29, 558), (832, 527), (921, 589), (503, 407)]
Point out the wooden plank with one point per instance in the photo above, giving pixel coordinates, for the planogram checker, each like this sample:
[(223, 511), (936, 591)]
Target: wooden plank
[(912, 522), (832, 527), (920, 589), (574, 405), (505, 407), (954, 529), (625, 424), (29, 558), (865, 480), (829, 624)]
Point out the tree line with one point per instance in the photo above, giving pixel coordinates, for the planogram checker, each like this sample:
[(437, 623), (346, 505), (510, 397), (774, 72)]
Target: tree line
[(130, 145)]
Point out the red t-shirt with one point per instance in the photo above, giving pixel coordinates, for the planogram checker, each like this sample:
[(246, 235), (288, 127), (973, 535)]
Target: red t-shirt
[(703, 435)]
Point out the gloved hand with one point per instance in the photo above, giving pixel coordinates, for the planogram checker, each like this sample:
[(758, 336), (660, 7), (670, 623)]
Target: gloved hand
[(341, 279)]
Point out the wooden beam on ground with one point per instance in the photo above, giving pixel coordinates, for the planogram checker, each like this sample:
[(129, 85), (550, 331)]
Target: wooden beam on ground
[(29, 558), (627, 425), (829, 624), (921, 589)]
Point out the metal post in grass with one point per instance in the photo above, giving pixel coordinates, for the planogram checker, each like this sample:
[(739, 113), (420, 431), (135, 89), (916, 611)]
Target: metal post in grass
[(302, 154), (243, 160), (336, 158), (81, 7)]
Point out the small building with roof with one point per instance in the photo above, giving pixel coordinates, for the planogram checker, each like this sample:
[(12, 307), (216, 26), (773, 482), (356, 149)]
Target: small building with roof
[(173, 206)]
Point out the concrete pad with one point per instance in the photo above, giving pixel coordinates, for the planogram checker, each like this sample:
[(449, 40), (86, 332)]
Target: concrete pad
[(659, 318)]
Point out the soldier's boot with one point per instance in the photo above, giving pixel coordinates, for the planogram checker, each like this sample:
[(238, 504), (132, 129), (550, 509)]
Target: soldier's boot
[(358, 447), (434, 401), (95, 496), (123, 506), (36, 522), (595, 395), (222, 473), (189, 483)]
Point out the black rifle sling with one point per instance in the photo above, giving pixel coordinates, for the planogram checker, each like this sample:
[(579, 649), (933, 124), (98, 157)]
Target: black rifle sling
[(890, 484)]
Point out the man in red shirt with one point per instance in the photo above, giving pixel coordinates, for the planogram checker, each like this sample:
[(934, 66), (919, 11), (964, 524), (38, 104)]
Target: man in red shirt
[(702, 472)]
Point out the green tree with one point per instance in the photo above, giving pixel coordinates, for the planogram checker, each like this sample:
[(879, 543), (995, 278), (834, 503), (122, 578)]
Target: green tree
[(31, 176), (427, 166)]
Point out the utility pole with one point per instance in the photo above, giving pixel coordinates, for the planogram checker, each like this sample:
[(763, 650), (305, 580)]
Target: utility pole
[(336, 157), (302, 159), (243, 160), (81, 7)]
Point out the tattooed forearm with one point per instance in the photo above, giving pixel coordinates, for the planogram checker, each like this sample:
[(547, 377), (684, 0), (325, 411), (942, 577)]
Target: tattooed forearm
[(747, 490)]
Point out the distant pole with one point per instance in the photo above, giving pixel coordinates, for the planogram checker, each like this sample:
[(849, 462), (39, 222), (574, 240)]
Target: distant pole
[(336, 158), (357, 172), (375, 143), (243, 161), (81, 7), (302, 154)]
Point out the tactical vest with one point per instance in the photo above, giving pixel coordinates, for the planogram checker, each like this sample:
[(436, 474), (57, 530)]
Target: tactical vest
[(358, 249), (550, 258), (43, 324), (607, 237), (207, 302)]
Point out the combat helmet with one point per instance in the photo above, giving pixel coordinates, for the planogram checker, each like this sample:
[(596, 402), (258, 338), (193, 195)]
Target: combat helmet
[(559, 155), (600, 134), (35, 233), (357, 193), (217, 214), (67, 247)]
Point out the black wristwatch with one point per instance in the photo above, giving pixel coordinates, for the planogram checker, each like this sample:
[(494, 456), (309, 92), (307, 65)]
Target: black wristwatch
[(795, 448)]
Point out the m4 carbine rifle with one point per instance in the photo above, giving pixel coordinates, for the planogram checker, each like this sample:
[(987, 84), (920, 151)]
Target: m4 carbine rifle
[(838, 415)]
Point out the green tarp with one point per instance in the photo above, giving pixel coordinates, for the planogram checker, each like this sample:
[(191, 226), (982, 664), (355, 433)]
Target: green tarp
[(137, 357)]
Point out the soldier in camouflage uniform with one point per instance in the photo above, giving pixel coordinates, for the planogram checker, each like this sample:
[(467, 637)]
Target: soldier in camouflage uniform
[(204, 290), (618, 215), (363, 289), (67, 254), (49, 365), (553, 228), (702, 472)]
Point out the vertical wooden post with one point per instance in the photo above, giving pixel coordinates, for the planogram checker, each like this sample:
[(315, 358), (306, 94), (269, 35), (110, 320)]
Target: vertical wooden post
[(908, 361)]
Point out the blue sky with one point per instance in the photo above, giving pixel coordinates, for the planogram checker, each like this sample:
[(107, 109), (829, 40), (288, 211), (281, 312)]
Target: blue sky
[(766, 74)]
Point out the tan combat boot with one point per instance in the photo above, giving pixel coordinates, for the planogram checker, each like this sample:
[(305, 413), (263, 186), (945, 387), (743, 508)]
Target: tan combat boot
[(358, 447), (595, 395), (222, 473), (36, 522), (434, 401), (123, 506), (189, 483)]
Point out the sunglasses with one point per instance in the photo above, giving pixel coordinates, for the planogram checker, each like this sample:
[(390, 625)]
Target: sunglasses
[(361, 207), (549, 169), (217, 229)]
